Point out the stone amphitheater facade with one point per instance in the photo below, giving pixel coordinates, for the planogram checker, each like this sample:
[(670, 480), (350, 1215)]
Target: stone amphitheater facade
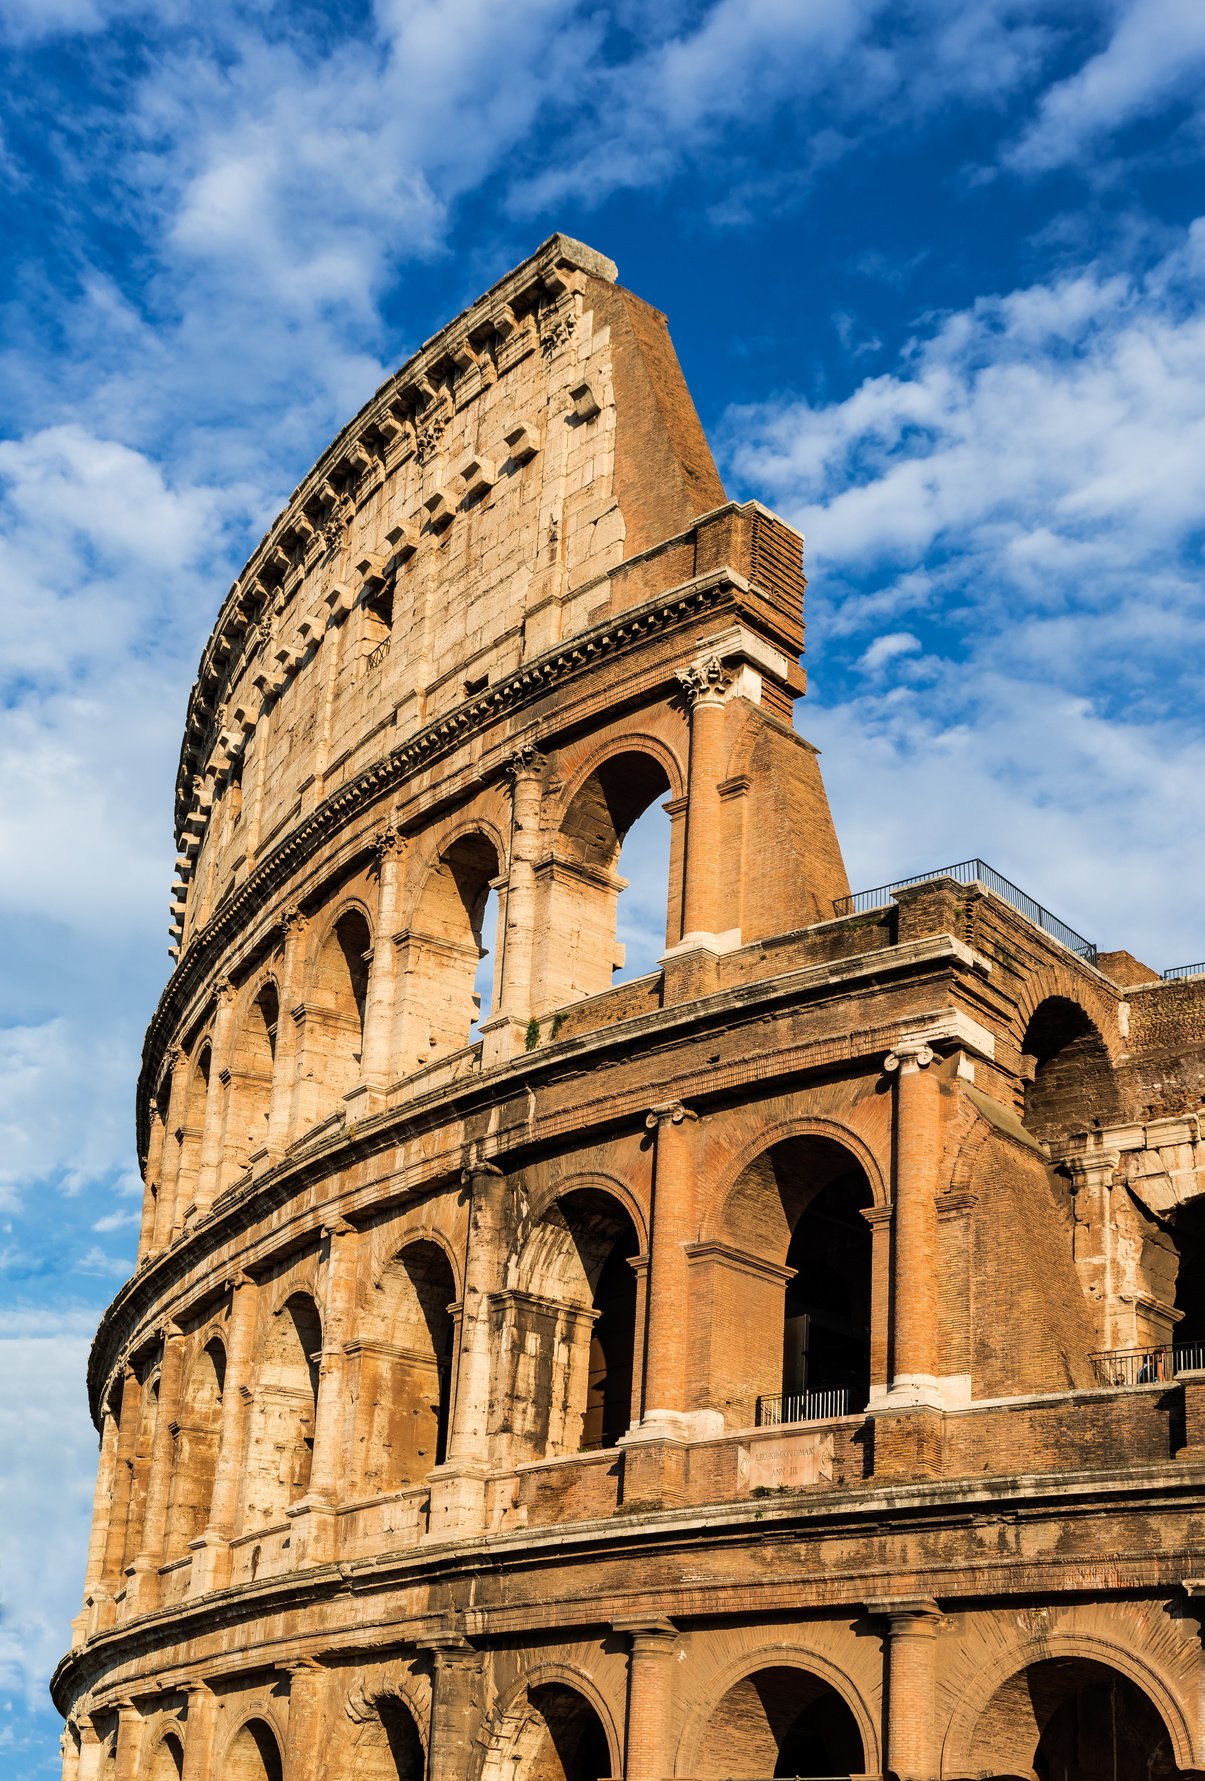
[(786, 1362)]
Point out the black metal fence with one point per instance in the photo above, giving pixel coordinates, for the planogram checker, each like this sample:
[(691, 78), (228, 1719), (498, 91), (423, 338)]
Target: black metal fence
[(804, 1406), (1177, 971), (1147, 1366), (974, 872)]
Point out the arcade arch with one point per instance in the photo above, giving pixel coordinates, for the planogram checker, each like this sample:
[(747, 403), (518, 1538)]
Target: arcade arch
[(1069, 1070), (405, 1377), (389, 1747), (1072, 1718), (333, 1020), (250, 1091), (442, 951), (780, 1720), (284, 1404), (552, 1733), (253, 1754), (167, 1763), (196, 1447)]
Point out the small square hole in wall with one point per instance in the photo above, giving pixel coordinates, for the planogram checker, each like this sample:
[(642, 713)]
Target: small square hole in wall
[(476, 686)]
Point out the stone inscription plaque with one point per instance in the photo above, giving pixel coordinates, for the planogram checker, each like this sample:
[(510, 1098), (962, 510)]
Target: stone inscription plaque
[(790, 1463)]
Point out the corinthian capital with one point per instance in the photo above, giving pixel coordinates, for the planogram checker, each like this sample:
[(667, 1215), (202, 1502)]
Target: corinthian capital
[(525, 762), (704, 679)]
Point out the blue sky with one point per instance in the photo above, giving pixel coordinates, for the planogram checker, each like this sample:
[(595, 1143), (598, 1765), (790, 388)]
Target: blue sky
[(935, 273)]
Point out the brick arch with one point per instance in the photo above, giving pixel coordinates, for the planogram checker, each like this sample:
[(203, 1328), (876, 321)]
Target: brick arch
[(544, 1197), (578, 762), (777, 1656), (506, 1724), (979, 1694), (1058, 980), (799, 1126)]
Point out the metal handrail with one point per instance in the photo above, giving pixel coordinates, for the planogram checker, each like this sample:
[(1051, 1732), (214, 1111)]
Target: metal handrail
[(1176, 972), (1147, 1366), (805, 1406), (974, 872)]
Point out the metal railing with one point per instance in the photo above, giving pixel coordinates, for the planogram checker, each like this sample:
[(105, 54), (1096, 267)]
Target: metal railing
[(1177, 971), (974, 872), (1147, 1366), (376, 655), (804, 1406)]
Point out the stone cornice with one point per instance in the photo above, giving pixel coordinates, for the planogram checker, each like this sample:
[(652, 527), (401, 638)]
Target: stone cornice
[(600, 642), (410, 402)]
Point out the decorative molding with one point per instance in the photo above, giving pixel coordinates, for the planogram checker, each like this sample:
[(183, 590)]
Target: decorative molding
[(706, 679)]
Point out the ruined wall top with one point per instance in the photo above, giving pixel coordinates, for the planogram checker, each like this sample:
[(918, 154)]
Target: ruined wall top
[(462, 524)]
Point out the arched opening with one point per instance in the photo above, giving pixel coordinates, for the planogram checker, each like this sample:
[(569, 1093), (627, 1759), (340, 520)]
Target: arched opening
[(560, 1738), (333, 1033), (196, 1447), (285, 1402), (781, 1721), (1073, 1719), (140, 1463), (389, 1748), (799, 1207), (254, 1755), (642, 913), (447, 968), (568, 1341), (168, 1763), (405, 1382), (251, 1066), (1188, 1235), (581, 886), (1071, 1086), (190, 1135), (485, 979)]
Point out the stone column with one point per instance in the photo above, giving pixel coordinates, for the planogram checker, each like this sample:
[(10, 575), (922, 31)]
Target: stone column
[(90, 1748), (647, 1752), (910, 1733), (704, 686), (315, 1513), (455, 1669), (654, 1458), (211, 1556), (152, 1175), (129, 1740), (458, 1486), (304, 1741), (102, 1497), (284, 1065), (123, 1473), (169, 1162), (198, 1731), (1094, 1243), (918, 1155), (142, 1592), (504, 1033), (377, 1064), (209, 1173)]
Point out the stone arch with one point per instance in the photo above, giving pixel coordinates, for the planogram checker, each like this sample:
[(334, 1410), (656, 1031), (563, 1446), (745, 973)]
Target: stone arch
[(568, 1342), (195, 1456), (441, 947), (544, 1195), (1012, 1664), (825, 1681), (252, 1064), (165, 1760), (390, 1744), (191, 1129), (578, 883), (803, 1126), (334, 1006), (403, 1377), (253, 1750), (793, 1266), (1069, 1073), (521, 1734), (1055, 979), (284, 1403)]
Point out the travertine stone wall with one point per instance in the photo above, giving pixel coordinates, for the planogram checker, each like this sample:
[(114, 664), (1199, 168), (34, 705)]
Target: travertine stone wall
[(785, 1362)]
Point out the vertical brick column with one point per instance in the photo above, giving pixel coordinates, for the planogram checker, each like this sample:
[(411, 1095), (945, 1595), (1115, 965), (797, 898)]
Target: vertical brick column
[(458, 1486), (284, 1065), (144, 1589), (377, 1064), (316, 1533), (513, 997), (199, 1721), (918, 1150), (209, 1173), (454, 1711), (910, 1651), (123, 1474), (304, 1742), (703, 686), (169, 1161), (648, 1755), (211, 1561)]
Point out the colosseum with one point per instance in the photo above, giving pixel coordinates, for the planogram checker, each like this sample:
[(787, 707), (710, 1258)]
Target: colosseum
[(789, 1361)]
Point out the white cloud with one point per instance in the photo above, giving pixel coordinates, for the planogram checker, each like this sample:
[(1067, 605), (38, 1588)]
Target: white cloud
[(887, 648), (1155, 56)]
